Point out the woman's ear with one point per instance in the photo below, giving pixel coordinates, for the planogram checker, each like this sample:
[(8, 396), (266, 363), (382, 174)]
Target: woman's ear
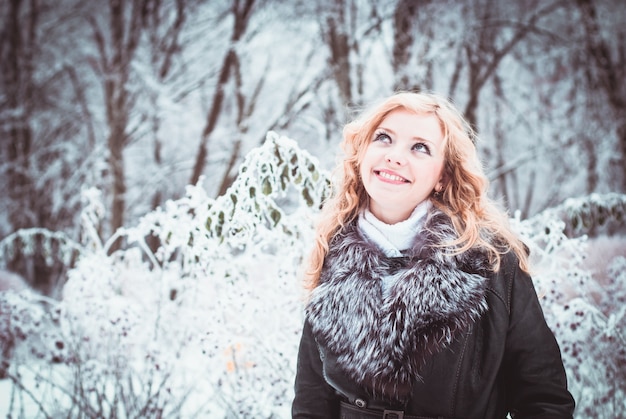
[(443, 182)]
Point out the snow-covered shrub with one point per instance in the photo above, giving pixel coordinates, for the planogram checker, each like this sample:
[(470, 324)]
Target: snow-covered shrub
[(9, 282), (39, 251), (582, 288), (207, 325), (591, 214), (29, 331), (199, 314)]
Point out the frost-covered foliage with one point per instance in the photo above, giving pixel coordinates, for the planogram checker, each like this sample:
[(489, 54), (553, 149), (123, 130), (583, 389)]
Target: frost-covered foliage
[(590, 213), (582, 286), (206, 325), (199, 313)]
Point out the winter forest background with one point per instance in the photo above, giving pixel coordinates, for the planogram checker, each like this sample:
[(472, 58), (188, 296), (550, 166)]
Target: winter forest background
[(162, 163)]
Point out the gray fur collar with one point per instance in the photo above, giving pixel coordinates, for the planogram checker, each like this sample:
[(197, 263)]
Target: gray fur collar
[(381, 341)]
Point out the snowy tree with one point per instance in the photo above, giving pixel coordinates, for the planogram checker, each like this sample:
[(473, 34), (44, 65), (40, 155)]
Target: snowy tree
[(42, 106), (241, 11), (605, 69)]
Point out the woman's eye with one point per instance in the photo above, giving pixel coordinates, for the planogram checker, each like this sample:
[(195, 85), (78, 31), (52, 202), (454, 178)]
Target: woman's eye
[(422, 148), (382, 136)]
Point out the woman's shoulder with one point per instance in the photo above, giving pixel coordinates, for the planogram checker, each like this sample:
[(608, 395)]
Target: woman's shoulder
[(508, 278)]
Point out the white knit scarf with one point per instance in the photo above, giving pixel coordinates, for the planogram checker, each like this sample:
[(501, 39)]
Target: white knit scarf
[(392, 239)]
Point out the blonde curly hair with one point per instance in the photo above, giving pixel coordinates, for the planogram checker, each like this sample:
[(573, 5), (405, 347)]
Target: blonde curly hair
[(475, 217)]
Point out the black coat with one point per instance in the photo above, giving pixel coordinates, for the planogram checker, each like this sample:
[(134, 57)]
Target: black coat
[(451, 339)]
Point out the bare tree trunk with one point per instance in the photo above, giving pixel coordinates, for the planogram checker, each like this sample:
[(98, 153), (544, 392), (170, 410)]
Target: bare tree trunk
[(124, 39), (17, 84), (229, 177), (244, 110), (500, 140), (484, 56), (610, 73), (28, 204), (338, 42), (242, 13), (165, 48), (297, 102), (404, 18)]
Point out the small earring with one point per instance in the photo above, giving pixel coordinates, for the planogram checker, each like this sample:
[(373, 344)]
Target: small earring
[(437, 194)]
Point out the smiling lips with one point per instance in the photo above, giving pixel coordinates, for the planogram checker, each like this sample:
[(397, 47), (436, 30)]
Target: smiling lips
[(390, 177)]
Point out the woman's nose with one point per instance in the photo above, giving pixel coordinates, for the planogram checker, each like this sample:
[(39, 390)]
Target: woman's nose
[(395, 157)]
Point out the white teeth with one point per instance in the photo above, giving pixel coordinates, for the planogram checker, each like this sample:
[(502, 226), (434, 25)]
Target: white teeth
[(391, 177)]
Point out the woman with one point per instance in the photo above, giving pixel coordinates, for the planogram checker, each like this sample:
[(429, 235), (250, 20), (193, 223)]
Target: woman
[(421, 304)]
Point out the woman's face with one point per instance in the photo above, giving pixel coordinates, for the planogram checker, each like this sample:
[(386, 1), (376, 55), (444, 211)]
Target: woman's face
[(402, 164)]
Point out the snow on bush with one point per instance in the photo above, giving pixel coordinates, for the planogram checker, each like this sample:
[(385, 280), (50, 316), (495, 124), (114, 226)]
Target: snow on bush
[(582, 287), (206, 322)]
